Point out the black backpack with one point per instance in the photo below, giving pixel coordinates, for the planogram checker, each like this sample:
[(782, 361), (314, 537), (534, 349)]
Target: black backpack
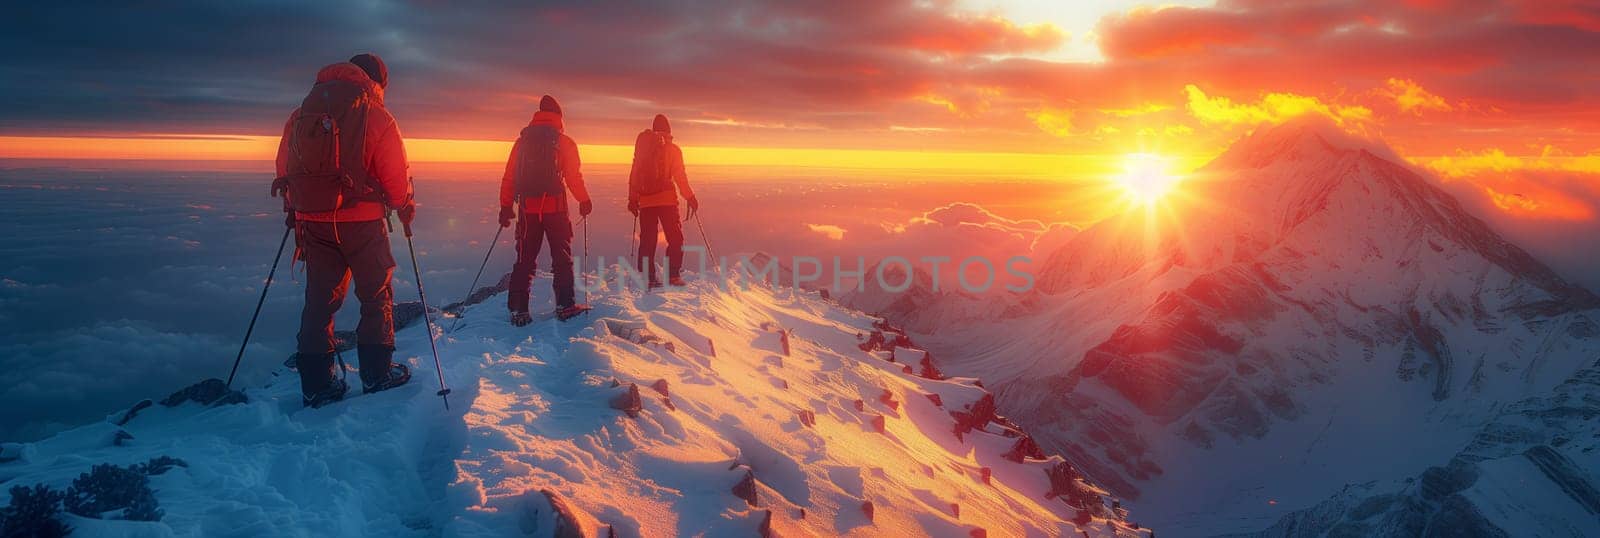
[(327, 150), (650, 174), (539, 172)]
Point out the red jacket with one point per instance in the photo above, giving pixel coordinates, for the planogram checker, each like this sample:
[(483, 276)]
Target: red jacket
[(566, 154), (385, 152), (680, 179)]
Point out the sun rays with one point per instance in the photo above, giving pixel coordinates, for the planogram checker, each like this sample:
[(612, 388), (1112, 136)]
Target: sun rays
[(1146, 178)]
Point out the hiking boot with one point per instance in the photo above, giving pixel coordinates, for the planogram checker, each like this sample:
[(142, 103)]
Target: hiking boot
[(568, 312), (399, 374), (521, 319), (677, 282), (378, 370), (332, 393)]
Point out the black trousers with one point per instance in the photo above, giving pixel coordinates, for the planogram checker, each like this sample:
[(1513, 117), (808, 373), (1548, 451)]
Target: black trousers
[(533, 230), (332, 256), (660, 219)]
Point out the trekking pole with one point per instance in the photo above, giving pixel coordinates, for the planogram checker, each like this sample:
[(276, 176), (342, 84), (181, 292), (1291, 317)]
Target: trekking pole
[(704, 239), (259, 302), (444, 390), (474, 286), (584, 222), (633, 238)]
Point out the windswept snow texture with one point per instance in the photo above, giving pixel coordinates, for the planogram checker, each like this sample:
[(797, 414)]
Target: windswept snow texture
[(1308, 315), (533, 411)]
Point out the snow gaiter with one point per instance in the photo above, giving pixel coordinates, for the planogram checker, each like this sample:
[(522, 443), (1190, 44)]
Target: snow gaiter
[(316, 371), (375, 362)]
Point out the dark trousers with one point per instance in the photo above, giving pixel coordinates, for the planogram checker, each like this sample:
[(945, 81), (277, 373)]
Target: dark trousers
[(533, 229), (664, 219), (332, 256)]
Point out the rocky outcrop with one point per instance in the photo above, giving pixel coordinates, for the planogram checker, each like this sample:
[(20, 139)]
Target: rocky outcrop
[(1067, 483), (628, 400), (570, 522), (746, 489), (209, 392)]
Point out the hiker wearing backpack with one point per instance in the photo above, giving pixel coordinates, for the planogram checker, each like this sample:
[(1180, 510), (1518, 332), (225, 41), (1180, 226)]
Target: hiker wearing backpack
[(542, 168), (341, 167), (654, 184)]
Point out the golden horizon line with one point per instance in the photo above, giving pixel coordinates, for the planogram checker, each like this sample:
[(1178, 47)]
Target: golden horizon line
[(187, 147)]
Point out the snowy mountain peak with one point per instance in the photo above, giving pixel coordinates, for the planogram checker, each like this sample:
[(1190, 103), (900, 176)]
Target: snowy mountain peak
[(1307, 139), (1228, 357), (1304, 189)]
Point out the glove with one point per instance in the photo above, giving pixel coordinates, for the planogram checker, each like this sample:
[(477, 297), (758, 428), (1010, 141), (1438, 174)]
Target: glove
[(288, 219), (633, 207), (585, 207), (506, 214), (407, 213), (694, 208)]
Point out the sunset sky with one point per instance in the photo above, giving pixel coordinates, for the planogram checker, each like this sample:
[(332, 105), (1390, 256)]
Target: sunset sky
[(1502, 95)]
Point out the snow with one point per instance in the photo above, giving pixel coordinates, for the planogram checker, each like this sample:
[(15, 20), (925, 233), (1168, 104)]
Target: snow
[(1527, 472), (1521, 498), (530, 414)]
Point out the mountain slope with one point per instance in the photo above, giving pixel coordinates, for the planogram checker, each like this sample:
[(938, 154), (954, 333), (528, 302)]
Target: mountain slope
[(737, 429), (1529, 472), (1309, 315), (923, 307)]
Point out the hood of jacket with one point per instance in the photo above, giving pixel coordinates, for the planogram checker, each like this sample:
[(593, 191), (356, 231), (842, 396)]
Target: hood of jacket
[(546, 117), (352, 73)]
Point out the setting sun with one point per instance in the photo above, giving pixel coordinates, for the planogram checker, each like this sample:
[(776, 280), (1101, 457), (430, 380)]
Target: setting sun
[(1146, 177)]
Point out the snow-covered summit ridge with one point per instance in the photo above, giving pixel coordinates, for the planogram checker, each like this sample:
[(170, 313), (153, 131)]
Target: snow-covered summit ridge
[(1301, 171), (684, 412), (1302, 139)]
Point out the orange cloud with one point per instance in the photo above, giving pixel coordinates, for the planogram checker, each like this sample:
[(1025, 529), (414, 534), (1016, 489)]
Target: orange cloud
[(1145, 33), (1548, 186), (1147, 108), (1411, 98), (1469, 164), (935, 99), (1540, 203), (1272, 108), (1056, 121), (979, 34), (1550, 159), (830, 231), (880, 76), (969, 103), (1169, 131), (1575, 13)]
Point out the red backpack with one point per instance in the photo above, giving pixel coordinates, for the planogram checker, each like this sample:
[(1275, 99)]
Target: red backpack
[(326, 150), (650, 174)]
